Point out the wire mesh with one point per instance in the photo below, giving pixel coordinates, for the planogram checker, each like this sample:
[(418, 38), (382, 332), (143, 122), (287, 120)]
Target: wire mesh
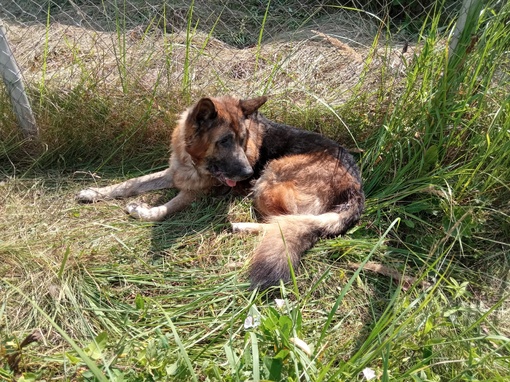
[(190, 48)]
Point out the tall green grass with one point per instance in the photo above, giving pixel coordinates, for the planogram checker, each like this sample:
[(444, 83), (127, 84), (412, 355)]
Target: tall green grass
[(441, 148), (119, 299)]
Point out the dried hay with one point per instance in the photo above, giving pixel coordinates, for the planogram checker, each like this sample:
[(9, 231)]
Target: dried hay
[(326, 62)]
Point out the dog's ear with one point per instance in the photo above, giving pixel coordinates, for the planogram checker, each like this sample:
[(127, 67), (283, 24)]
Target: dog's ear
[(250, 106), (203, 112)]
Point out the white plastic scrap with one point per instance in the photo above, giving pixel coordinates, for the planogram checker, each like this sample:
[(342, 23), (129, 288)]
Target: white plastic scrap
[(368, 373), (301, 344)]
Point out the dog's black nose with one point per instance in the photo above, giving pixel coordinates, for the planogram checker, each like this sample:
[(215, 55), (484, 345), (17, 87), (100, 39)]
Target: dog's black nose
[(246, 172)]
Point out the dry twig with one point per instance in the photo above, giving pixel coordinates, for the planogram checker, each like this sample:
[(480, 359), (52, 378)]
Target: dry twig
[(381, 269)]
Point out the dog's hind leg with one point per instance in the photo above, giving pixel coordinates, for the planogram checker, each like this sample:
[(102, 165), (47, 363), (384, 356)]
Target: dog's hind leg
[(131, 187), (144, 212), (249, 227)]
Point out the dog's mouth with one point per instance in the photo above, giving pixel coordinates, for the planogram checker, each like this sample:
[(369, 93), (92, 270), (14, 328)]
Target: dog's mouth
[(230, 178), (225, 180)]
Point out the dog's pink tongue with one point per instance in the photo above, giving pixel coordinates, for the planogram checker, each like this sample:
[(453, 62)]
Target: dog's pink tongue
[(230, 183)]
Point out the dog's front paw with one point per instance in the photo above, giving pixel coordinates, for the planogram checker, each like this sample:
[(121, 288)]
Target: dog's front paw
[(89, 195), (140, 211)]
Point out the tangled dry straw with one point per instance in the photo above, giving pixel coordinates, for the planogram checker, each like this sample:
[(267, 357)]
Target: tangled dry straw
[(325, 62)]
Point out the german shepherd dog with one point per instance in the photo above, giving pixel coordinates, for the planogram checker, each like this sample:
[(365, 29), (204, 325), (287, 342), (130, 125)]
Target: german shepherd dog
[(304, 185)]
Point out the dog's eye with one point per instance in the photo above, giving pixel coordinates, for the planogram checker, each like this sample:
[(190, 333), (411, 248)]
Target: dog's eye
[(226, 141)]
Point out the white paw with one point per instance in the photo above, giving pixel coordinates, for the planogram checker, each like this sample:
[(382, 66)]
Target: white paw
[(144, 212), (138, 210), (88, 195), (248, 227)]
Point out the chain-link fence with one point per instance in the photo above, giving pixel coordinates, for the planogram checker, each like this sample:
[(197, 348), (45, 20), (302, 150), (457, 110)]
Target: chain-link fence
[(189, 48)]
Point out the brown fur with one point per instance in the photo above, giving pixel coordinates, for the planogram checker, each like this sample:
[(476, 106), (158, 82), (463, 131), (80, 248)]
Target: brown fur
[(304, 185)]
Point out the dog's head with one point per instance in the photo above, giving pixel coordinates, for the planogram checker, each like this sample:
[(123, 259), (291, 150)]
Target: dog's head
[(217, 134)]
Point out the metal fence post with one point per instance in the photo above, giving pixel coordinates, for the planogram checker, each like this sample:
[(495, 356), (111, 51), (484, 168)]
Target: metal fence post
[(469, 9), (13, 81)]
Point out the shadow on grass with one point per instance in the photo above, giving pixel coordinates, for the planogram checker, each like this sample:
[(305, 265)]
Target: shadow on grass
[(205, 214), (195, 248)]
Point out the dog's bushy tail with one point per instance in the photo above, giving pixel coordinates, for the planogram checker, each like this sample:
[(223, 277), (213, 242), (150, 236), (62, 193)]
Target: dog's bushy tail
[(287, 237)]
